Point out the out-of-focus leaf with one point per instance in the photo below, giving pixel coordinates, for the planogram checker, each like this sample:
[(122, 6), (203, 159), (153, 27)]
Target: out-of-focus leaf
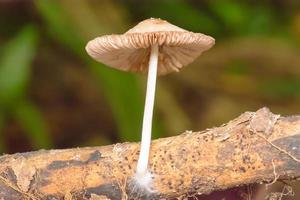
[(261, 22), (89, 22), (59, 26), (124, 96), (14, 75), (237, 68), (15, 66), (241, 18), (278, 88), (121, 89), (183, 14), (34, 125), (232, 13)]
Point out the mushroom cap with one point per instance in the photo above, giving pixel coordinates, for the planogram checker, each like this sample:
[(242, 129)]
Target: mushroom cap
[(130, 51)]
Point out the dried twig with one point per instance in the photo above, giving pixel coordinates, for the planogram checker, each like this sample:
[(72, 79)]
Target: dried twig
[(188, 164)]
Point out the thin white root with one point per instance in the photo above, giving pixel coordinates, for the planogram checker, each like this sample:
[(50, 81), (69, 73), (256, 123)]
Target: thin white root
[(276, 176)]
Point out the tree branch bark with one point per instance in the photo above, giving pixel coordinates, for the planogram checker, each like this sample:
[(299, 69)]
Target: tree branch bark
[(256, 147)]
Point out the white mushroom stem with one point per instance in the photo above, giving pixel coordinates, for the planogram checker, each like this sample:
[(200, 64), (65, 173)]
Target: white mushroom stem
[(142, 164)]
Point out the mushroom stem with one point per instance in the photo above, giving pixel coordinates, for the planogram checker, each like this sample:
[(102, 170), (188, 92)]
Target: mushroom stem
[(142, 164)]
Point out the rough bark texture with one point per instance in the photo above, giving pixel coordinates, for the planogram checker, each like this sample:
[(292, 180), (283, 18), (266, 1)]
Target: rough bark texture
[(256, 147)]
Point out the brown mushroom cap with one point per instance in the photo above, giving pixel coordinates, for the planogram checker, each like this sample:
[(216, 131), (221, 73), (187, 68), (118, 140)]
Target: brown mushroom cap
[(131, 51)]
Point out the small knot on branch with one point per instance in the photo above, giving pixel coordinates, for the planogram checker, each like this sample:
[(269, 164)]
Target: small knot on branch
[(263, 121)]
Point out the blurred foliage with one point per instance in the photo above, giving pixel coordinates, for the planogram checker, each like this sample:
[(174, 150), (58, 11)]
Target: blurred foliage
[(50, 88), (121, 89), (15, 66), (15, 69)]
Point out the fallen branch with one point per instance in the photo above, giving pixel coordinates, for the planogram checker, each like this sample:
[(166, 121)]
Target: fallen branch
[(256, 147)]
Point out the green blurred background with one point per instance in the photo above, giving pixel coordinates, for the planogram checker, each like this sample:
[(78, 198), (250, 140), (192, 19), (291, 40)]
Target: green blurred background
[(53, 95)]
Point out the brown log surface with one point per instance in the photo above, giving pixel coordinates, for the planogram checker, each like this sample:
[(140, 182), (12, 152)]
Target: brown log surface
[(256, 147)]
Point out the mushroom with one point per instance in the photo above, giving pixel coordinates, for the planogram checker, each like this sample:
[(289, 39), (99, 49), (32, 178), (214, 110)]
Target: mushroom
[(154, 46)]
